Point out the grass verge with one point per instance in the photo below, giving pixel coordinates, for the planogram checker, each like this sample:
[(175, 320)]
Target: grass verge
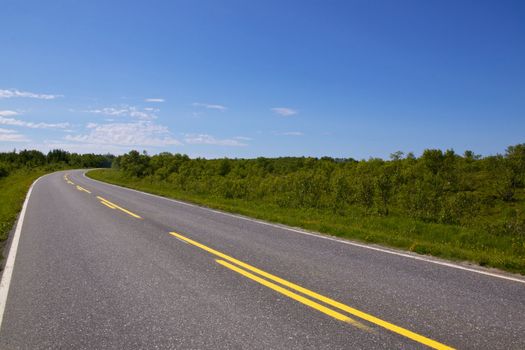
[(446, 241), (13, 190)]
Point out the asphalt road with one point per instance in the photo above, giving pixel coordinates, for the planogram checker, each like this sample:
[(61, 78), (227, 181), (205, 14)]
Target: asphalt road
[(100, 267)]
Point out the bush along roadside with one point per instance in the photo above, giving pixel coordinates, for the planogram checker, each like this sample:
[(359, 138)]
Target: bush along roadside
[(460, 207)]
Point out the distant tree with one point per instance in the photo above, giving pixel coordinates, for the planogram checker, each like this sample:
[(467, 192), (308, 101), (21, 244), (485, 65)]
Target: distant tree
[(433, 160), (515, 156), (224, 167), (470, 155), (366, 193), (135, 164), (385, 185), (29, 158), (398, 155), (57, 156)]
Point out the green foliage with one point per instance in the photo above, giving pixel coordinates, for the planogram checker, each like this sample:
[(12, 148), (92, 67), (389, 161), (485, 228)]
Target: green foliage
[(483, 196), (29, 159), (438, 187), (135, 164)]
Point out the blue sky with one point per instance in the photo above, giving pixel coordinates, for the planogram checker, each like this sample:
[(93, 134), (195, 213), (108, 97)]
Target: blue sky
[(262, 78)]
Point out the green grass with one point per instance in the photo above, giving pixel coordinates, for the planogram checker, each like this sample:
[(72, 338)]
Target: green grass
[(13, 190), (445, 241)]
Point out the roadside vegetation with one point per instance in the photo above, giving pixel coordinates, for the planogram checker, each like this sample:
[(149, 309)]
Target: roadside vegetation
[(18, 170), (461, 207)]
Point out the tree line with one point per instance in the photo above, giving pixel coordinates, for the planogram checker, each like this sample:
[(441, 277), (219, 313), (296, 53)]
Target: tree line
[(55, 159), (437, 187)]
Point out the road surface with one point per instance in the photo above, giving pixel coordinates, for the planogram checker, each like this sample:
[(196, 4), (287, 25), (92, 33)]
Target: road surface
[(99, 266)]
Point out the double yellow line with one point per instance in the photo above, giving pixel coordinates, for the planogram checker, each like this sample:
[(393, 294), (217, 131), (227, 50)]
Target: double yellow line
[(67, 179), (114, 206), (241, 268), (292, 290), (104, 201), (82, 189)]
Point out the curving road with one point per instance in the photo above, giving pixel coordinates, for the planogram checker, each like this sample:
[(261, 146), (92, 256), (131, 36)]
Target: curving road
[(100, 267)]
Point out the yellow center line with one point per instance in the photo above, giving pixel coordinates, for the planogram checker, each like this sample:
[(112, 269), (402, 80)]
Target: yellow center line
[(372, 319), (70, 182), (293, 295), (102, 200), (108, 205), (80, 188)]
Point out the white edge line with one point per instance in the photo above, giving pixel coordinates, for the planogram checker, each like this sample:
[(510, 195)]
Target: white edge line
[(10, 263), (420, 258)]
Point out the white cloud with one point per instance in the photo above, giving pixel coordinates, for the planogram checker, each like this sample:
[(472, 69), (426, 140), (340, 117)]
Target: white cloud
[(11, 93), (32, 125), (9, 135), (210, 106), (140, 134), (142, 115), (243, 138), (125, 110), (284, 111), (154, 100), (291, 133), (108, 111), (8, 113), (205, 139)]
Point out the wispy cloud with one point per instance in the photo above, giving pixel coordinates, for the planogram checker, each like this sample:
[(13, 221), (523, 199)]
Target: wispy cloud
[(243, 138), (8, 113), (284, 111), (125, 110), (109, 111), (210, 106), (11, 93), (138, 134), (154, 100), (9, 135), (205, 139), (32, 125), (290, 133)]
